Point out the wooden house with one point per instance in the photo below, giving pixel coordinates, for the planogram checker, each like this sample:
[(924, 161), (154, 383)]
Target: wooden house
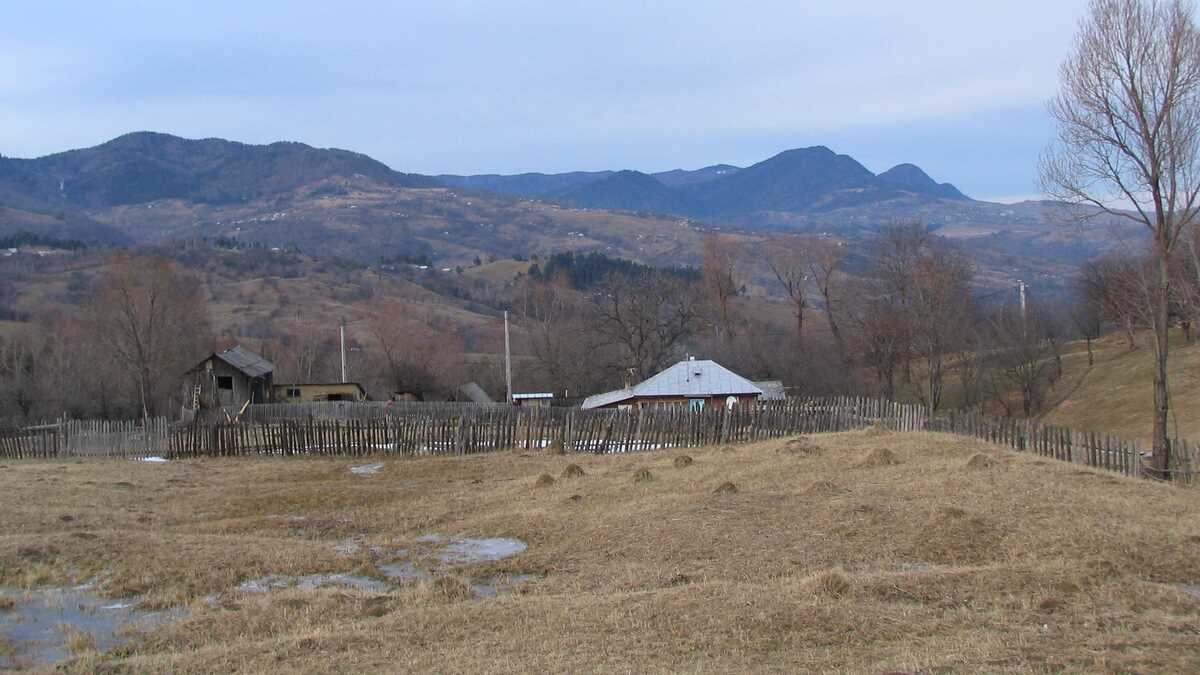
[(229, 379), (691, 382)]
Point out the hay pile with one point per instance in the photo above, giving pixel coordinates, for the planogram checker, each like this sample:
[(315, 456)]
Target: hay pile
[(880, 457), (683, 461), (572, 471), (831, 583), (826, 487), (981, 461), (544, 480), (726, 488), (555, 447), (800, 445)]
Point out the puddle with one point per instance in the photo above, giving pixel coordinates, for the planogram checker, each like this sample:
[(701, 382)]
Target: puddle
[(366, 469), (400, 572), (34, 625), (1190, 589), (311, 582), (403, 571), (462, 551)]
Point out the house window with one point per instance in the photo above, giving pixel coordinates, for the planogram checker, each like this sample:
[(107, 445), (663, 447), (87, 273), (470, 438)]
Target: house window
[(293, 392), (696, 404), (225, 382)]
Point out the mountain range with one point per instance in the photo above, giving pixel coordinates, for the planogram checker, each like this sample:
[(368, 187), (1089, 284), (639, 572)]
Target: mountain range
[(803, 180), (153, 187)]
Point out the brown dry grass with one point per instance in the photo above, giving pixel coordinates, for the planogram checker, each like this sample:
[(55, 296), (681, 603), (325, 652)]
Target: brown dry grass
[(811, 566), (683, 461), (879, 456), (573, 471), (544, 480)]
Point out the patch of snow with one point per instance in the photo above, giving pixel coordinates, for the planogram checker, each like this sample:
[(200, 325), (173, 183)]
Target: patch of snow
[(480, 550), (154, 460), (366, 469)]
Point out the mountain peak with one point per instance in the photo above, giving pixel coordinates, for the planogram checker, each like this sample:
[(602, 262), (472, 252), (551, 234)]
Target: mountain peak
[(912, 178)]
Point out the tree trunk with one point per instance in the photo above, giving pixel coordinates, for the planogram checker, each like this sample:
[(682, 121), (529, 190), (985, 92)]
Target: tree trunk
[(1091, 355), (1162, 443)]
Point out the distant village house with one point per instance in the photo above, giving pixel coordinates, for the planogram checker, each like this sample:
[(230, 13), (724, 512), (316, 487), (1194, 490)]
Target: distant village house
[(691, 382)]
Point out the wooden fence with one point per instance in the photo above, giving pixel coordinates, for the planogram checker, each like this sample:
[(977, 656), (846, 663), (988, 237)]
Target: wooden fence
[(89, 438), (409, 429)]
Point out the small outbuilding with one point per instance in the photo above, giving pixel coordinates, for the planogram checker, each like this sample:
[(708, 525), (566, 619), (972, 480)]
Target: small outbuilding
[(229, 378), (693, 383), (539, 400), (317, 391)]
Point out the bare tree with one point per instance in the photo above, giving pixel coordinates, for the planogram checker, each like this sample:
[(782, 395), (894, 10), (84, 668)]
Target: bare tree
[(1087, 314), (646, 316), (1024, 354), (826, 263), (152, 321), (1128, 114), (720, 268), (790, 260)]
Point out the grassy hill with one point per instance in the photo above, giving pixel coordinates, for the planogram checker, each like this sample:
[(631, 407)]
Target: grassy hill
[(1116, 396), (823, 559)]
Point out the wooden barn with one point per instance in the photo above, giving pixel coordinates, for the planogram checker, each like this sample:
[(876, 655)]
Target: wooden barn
[(691, 382), (229, 378)]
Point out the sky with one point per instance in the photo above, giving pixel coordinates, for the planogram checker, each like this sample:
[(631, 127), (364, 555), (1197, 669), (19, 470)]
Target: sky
[(457, 86)]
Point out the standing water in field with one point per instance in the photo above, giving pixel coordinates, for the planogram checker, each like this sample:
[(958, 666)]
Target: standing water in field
[(38, 623)]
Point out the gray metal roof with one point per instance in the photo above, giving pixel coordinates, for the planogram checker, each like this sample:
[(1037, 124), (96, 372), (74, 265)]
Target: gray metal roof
[(772, 390), (686, 379), (249, 363)]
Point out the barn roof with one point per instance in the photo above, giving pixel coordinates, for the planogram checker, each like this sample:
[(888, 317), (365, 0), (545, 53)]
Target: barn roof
[(246, 361), (686, 379)]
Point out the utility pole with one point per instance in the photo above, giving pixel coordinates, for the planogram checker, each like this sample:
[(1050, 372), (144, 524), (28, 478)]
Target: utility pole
[(507, 361), (343, 351), (1021, 286)]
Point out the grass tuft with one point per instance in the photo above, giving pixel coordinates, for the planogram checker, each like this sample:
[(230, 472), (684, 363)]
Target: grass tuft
[(642, 475), (572, 471), (544, 480), (683, 461)]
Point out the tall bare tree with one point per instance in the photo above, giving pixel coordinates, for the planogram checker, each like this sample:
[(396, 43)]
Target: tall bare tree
[(790, 260), (1128, 115), (720, 267), (152, 321)]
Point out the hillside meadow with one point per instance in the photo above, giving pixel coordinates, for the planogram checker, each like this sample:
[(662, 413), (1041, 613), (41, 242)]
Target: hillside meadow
[(857, 552)]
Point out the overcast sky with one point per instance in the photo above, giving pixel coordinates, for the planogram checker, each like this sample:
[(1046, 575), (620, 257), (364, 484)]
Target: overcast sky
[(455, 86)]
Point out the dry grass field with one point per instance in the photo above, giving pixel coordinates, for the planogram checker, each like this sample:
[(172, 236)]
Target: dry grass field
[(856, 552)]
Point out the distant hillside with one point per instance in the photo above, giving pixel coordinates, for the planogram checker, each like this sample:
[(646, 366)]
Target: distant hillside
[(625, 191), (527, 184), (1116, 395), (143, 167), (677, 177)]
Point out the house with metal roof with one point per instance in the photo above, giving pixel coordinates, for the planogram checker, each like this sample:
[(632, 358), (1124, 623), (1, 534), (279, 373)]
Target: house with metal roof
[(229, 378), (696, 383)]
